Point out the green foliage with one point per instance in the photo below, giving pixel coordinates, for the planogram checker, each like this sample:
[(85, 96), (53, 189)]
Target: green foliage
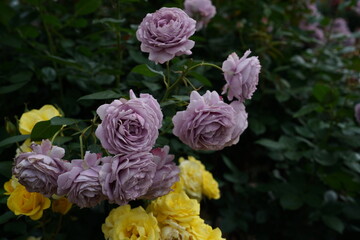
[(295, 173)]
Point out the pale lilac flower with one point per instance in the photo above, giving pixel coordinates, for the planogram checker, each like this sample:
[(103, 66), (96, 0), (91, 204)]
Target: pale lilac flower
[(127, 177), (357, 112), (129, 125), (165, 34), (241, 75), (81, 182), (356, 8), (340, 27), (311, 24), (200, 10), (167, 173), (208, 123), (38, 170)]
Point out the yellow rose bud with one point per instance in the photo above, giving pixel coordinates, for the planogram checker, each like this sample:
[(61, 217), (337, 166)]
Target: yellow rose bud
[(126, 223), (10, 185), (29, 119), (61, 205), (31, 204)]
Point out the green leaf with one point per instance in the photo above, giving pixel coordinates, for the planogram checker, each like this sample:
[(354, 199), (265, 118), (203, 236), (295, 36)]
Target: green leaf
[(291, 201), (51, 20), (257, 126), (334, 223), (12, 87), (107, 94), (84, 7), (324, 93), (6, 217), (147, 71), (306, 109), (59, 121), (271, 144), (44, 130), (49, 74), (5, 168), (64, 61), (202, 79), (13, 139)]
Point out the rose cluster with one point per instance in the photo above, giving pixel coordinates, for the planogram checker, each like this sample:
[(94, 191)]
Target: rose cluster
[(129, 129)]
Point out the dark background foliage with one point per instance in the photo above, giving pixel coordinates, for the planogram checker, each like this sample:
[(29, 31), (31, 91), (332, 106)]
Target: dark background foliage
[(295, 174)]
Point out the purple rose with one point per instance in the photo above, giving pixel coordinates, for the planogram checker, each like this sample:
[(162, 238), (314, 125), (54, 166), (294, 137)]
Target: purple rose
[(210, 124), (129, 125), (165, 34), (38, 170), (357, 112), (167, 173), (241, 75), (127, 177), (81, 182), (200, 10)]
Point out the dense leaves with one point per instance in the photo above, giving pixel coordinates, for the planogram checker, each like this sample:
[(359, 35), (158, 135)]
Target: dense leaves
[(295, 174)]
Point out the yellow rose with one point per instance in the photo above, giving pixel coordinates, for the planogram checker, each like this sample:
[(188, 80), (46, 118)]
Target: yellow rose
[(210, 186), (61, 205), (29, 119), (196, 180), (31, 204), (175, 206), (10, 185), (173, 230), (126, 223), (201, 231), (191, 177)]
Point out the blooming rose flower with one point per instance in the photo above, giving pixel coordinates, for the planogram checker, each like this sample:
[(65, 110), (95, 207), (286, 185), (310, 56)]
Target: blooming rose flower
[(127, 177), (38, 170), (166, 174), (32, 204), (171, 229), (165, 34), (81, 182), (201, 230), (200, 10), (129, 125), (29, 119), (196, 180), (176, 206), (208, 123), (126, 223), (61, 205), (357, 112), (241, 75)]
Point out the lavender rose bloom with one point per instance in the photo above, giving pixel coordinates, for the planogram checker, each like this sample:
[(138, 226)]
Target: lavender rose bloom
[(38, 170), (165, 34), (167, 173), (200, 10), (129, 125), (241, 75), (81, 182), (357, 112), (127, 177), (210, 124)]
